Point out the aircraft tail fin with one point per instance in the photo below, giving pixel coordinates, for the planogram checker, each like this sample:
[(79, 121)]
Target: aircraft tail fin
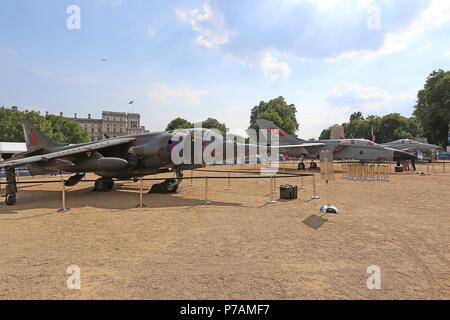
[(284, 137), (34, 137), (337, 132)]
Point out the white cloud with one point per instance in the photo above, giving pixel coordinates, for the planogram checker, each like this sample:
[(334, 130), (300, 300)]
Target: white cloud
[(369, 99), (151, 31), (435, 15), (210, 26), (165, 94), (274, 69), (447, 54), (332, 4), (7, 51), (112, 3), (346, 94)]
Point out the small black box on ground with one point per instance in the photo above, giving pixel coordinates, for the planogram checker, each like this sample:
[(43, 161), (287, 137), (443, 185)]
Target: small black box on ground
[(399, 169), (288, 192)]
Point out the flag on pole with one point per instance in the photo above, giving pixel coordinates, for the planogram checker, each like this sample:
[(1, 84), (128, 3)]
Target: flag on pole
[(373, 135)]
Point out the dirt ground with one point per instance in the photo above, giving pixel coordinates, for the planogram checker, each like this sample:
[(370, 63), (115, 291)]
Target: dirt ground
[(237, 247)]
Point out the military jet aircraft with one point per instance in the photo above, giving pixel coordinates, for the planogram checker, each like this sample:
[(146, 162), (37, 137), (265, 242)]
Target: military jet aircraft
[(343, 149), (125, 157), (423, 150), (411, 145)]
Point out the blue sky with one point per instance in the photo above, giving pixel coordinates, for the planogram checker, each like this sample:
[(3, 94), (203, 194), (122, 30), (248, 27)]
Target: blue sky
[(199, 59)]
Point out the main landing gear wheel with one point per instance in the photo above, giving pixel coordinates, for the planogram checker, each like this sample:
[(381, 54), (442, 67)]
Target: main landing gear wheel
[(104, 185), (301, 166), (10, 199), (313, 165), (168, 185)]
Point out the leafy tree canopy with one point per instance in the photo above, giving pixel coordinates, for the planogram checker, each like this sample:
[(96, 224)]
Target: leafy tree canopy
[(278, 111), (57, 128), (179, 123), (210, 123), (388, 128), (433, 107)]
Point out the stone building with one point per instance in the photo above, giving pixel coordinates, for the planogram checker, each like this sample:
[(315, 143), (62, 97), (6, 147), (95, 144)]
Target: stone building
[(112, 124)]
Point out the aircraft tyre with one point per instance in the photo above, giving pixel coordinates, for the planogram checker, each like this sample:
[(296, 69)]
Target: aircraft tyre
[(313, 165), (10, 199), (104, 185), (301, 166)]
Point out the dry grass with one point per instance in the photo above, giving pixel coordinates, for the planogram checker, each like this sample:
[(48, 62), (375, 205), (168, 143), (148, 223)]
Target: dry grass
[(235, 248)]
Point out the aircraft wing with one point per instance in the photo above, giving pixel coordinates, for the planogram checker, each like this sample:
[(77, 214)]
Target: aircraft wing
[(302, 145), (65, 153), (301, 148)]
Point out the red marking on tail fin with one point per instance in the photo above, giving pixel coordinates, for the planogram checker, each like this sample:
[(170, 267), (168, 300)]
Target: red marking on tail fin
[(277, 131), (33, 135)]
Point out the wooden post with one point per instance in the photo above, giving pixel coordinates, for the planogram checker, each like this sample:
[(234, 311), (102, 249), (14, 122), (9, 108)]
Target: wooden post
[(63, 192), (141, 194), (192, 174), (314, 196), (229, 182), (271, 200), (302, 183), (275, 184), (206, 192)]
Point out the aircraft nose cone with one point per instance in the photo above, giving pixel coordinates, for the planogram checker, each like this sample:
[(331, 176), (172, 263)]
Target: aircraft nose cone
[(401, 155)]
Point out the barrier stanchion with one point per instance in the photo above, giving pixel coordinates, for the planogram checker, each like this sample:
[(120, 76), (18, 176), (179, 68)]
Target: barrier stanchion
[(229, 182), (275, 191), (428, 168), (63, 192), (206, 201), (302, 183), (1, 190), (314, 196), (432, 167), (192, 174), (141, 194), (271, 183), (443, 166)]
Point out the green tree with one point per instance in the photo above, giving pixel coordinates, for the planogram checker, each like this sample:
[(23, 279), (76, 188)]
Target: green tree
[(325, 134), (212, 123), (66, 130), (56, 128), (179, 123), (278, 111), (356, 116), (388, 128), (433, 107)]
